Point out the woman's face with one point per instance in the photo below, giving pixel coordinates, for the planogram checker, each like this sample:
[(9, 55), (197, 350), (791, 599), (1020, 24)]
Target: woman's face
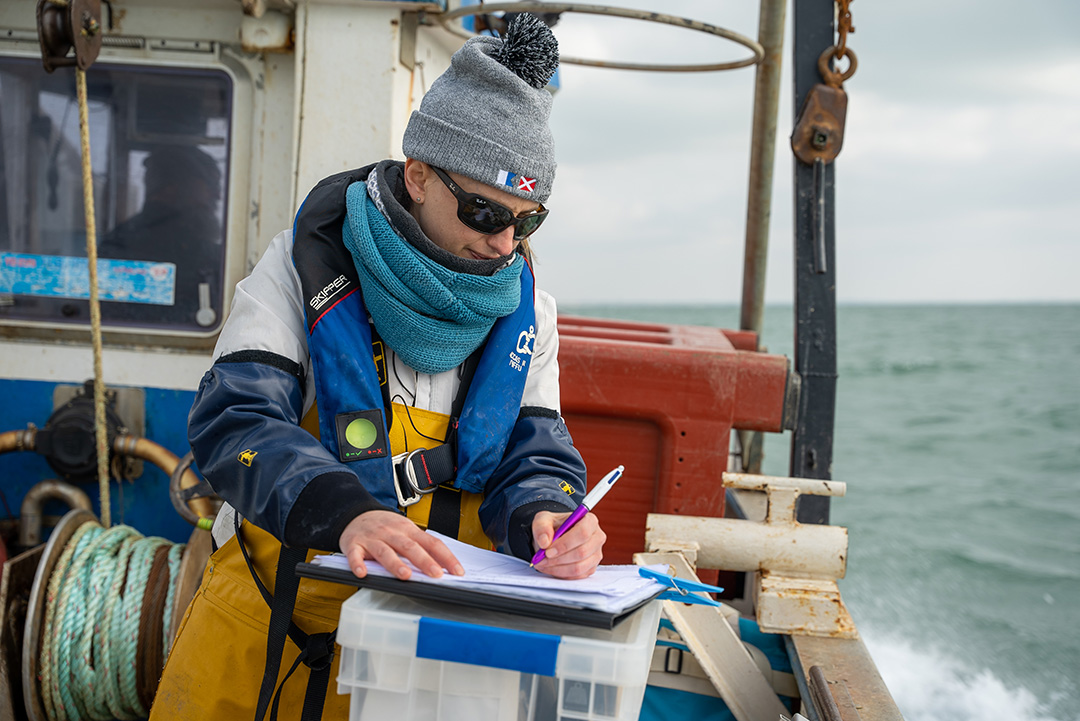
[(436, 212)]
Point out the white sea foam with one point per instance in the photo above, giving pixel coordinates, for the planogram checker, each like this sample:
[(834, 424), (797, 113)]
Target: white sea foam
[(928, 686)]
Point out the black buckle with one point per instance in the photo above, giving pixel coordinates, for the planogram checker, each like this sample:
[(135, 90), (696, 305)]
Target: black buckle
[(319, 652), (421, 471), (673, 660), (409, 486)]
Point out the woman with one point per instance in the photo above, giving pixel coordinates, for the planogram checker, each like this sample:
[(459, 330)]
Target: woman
[(398, 323)]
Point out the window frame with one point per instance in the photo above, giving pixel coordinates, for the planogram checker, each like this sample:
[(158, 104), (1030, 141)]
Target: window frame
[(237, 184)]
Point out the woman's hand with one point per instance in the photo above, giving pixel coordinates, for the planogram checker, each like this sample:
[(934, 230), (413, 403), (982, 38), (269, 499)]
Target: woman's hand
[(387, 536), (576, 553)]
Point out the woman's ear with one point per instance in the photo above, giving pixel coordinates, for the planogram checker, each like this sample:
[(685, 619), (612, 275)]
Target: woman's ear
[(416, 178)]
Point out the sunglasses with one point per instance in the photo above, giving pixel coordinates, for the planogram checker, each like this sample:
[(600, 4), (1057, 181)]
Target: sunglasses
[(487, 216)]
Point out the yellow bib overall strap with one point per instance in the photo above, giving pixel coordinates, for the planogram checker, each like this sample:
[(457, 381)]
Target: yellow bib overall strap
[(447, 510), (223, 638), (316, 650)]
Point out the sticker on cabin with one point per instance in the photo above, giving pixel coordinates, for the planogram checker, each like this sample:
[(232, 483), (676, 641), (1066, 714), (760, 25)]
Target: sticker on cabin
[(62, 276)]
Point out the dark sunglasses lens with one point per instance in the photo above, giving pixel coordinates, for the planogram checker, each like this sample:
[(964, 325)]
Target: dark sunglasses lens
[(528, 225), (483, 216)]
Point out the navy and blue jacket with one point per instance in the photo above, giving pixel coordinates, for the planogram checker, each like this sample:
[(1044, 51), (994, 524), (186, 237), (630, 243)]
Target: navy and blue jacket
[(244, 425)]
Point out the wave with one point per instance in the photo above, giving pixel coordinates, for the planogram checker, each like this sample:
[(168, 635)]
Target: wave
[(1038, 512), (905, 366), (1023, 567), (928, 686)]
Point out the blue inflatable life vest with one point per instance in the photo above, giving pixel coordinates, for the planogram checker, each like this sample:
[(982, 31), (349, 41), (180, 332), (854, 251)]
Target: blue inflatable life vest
[(347, 381)]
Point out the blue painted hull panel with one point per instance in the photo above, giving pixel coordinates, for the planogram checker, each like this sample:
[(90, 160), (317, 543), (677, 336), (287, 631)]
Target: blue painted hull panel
[(143, 503)]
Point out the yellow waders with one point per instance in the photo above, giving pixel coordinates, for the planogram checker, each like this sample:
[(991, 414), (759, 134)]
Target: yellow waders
[(215, 668)]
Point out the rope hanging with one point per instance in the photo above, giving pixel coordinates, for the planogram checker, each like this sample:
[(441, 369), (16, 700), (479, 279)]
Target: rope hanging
[(95, 305), (105, 634)]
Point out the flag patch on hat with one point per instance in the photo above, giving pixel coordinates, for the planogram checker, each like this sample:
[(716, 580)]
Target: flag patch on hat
[(513, 180)]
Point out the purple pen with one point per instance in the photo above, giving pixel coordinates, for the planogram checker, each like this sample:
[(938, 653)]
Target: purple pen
[(593, 497)]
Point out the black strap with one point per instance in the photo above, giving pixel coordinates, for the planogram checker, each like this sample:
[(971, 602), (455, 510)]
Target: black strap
[(430, 467), (316, 650), (444, 516)]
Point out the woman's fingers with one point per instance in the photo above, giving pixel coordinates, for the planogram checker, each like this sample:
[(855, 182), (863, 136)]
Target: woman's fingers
[(389, 538), (577, 552)]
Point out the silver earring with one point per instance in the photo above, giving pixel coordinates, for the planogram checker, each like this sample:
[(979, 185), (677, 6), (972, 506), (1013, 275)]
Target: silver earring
[(418, 199)]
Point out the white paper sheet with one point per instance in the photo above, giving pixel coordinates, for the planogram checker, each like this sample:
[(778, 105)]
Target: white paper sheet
[(611, 588)]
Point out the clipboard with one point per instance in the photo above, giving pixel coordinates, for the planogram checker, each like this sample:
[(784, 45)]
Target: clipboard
[(500, 603)]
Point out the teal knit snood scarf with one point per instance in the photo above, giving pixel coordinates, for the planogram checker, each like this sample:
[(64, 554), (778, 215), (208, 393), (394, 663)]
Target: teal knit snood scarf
[(431, 316)]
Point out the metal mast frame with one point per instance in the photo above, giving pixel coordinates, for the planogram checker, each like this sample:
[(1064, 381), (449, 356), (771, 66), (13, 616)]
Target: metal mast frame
[(815, 275)]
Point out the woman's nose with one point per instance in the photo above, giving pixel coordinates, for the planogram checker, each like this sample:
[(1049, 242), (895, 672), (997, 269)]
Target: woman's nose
[(502, 242)]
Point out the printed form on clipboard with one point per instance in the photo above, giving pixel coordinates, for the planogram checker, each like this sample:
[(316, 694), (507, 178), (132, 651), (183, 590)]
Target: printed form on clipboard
[(611, 590)]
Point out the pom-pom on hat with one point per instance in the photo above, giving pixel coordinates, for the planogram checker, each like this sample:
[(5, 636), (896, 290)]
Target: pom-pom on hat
[(486, 117)]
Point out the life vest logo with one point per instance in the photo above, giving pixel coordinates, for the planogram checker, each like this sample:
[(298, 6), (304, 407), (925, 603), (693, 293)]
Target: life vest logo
[(525, 338), (360, 435), (247, 457), (378, 354), (566, 488), (332, 288)]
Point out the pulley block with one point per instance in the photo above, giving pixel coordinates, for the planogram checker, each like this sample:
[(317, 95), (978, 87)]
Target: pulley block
[(64, 25), (819, 131)]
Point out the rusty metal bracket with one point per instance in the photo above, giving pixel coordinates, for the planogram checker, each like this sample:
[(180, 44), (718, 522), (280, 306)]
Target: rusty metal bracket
[(66, 25), (831, 698)]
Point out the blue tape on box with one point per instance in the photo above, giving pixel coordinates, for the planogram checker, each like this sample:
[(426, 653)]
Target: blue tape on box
[(506, 648)]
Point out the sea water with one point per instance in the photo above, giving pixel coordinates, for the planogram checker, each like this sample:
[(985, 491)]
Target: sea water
[(958, 434)]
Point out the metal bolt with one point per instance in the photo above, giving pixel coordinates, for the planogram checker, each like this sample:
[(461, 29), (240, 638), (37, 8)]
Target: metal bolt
[(820, 140), (91, 26)]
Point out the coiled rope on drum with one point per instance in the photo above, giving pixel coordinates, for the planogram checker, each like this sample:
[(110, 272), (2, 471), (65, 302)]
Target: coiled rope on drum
[(107, 623)]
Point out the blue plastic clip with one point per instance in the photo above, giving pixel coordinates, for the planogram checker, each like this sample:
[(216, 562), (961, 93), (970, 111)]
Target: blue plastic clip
[(682, 588)]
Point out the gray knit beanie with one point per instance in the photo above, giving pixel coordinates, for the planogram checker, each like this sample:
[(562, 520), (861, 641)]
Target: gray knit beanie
[(486, 117)]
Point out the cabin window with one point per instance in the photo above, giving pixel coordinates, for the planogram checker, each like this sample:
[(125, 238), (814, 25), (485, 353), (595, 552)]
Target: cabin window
[(159, 140)]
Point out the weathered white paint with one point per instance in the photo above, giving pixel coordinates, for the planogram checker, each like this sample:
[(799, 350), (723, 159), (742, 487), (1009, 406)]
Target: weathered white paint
[(736, 545), (797, 564), (803, 606), (73, 363)]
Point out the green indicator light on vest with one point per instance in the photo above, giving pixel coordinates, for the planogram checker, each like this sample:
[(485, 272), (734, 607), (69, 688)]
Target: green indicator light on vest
[(361, 433)]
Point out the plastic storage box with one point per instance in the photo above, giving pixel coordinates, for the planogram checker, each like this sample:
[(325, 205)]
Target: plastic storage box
[(410, 660)]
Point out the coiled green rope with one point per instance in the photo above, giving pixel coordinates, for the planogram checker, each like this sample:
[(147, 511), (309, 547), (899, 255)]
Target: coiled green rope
[(96, 597)]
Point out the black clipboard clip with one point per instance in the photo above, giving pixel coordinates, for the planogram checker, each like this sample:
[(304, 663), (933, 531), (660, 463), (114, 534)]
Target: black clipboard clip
[(682, 590)]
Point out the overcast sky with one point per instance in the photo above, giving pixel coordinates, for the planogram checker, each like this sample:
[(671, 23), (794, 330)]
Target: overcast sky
[(959, 179)]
